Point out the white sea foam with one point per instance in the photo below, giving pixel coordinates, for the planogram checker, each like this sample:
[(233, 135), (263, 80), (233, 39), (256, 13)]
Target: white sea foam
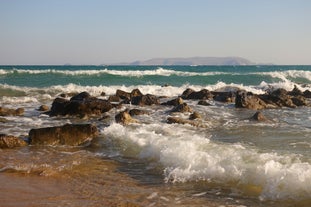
[(134, 73), (191, 156)]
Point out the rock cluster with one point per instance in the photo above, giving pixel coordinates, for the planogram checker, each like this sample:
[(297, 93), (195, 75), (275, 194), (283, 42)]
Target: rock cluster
[(85, 105)]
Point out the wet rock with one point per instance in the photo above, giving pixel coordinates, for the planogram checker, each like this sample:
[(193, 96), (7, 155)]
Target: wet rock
[(147, 99), (80, 105), (226, 97), (204, 103), (249, 100), (202, 94), (295, 92), (43, 108), (258, 116), (11, 112), (137, 112), (114, 98), (195, 115), (174, 102), (136, 92), (177, 120), (68, 134), (307, 94), (8, 141), (123, 94), (3, 120), (186, 93), (183, 108), (125, 118)]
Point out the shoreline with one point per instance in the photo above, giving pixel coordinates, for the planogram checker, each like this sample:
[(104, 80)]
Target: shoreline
[(97, 183)]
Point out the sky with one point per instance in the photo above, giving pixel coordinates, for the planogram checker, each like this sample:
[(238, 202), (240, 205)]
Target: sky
[(114, 31)]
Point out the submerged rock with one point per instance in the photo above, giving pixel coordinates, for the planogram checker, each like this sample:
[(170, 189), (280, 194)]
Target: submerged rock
[(258, 116), (195, 115), (174, 102), (125, 118), (177, 120), (8, 141), (68, 134), (43, 108), (182, 108), (11, 112)]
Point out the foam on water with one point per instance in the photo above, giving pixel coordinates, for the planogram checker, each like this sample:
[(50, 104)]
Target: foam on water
[(186, 156), (131, 73)]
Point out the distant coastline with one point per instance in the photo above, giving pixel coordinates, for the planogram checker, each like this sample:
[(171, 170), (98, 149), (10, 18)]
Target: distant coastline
[(193, 61)]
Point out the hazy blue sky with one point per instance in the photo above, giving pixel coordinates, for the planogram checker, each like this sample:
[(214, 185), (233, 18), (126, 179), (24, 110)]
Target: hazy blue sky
[(109, 31)]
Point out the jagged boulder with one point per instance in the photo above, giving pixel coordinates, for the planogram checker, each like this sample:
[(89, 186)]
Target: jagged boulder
[(144, 100), (11, 112), (249, 100), (226, 97), (8, 141), (202, 94), (68, 134), (79, 105)]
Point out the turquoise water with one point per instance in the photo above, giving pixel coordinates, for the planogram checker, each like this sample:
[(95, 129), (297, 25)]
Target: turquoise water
[(265, 164), (44, 76)]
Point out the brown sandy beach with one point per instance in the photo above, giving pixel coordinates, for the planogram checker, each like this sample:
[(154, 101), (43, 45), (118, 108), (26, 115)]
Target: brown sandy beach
[(95, 183)]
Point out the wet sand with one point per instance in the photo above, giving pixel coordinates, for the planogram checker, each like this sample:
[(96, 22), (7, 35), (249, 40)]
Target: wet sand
[(96, 183)]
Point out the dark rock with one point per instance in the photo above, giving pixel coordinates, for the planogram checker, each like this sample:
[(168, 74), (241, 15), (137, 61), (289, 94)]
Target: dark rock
[(125, 118), (299, 100), (114, 98), (80, 105), (145, 100), (204, 103), (136, 92), (183, 108), (11, 112), (123, 94), (186, 93), (195, 115), (226, 97), (258, 116), (103, 93), (249, 100), (137, 112), (202, 94), (174, 102), (8, 141), (81, 96), (295, 92), (307, 94), (69, 134)]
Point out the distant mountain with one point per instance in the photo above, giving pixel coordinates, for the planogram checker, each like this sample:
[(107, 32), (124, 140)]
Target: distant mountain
[(194, 61)]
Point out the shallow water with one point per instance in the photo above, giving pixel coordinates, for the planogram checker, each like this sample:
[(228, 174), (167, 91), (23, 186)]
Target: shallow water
[(230, 161)]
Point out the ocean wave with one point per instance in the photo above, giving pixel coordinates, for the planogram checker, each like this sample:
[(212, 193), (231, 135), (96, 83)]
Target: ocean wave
[(187, 156), (131, 73)]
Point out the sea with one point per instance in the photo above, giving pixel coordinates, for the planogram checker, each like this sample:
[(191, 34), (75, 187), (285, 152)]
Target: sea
[(232, 161)]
